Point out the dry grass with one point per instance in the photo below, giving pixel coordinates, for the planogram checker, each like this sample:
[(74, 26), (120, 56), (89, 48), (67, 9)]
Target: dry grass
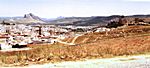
[(116, 33), (106, 46)]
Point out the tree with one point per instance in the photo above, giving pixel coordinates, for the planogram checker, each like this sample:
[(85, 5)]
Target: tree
[(136, 20)]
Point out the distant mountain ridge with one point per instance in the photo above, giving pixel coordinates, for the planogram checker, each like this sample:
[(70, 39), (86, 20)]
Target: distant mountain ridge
[(77, 21), (88, 21)]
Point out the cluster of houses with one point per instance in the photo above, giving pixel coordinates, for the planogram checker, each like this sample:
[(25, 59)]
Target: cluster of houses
[(20, 35)]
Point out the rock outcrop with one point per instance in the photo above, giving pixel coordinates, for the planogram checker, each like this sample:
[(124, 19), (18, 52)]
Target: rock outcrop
[(31, 16), (27, 19)]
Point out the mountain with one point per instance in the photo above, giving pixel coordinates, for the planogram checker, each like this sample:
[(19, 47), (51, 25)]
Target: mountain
[(32, 16), (68, 20), (83, 21), (27, 19), (95, 20), (77, 21), (99, 20)]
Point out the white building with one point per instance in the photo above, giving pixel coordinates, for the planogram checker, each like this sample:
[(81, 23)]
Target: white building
[(4, 43)]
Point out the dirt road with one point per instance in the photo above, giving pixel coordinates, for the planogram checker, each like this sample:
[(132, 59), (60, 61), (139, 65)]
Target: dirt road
[(138, 61)]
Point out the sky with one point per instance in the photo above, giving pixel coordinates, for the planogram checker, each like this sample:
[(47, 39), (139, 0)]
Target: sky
[(76, 8)]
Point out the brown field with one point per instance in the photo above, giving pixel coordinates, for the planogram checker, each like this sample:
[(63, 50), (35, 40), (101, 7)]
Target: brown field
[(119, 42)]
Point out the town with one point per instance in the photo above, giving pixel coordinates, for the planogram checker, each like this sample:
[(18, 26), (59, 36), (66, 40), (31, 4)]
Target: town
[(20, 35), (74, 34)]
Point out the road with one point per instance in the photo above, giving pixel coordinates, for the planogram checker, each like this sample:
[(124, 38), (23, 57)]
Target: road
[(138, 61)]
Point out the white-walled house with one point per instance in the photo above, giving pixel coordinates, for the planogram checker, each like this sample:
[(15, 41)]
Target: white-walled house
[(4, 43), (102, 29)]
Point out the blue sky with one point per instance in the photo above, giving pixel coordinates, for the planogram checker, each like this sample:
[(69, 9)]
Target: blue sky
[(68, 8)]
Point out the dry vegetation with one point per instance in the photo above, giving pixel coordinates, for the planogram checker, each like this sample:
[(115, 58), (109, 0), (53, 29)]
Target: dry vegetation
[(127, 41), (114, 33)]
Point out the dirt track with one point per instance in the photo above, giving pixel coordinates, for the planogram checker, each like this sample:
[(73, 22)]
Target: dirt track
[(139, 61)]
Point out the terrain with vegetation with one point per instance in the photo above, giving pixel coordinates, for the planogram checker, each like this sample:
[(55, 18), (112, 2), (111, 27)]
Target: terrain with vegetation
[(128, 35), (117, 42)]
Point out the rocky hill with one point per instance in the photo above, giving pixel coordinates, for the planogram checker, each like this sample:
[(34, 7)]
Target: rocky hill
[(27, 19), (32, 16)]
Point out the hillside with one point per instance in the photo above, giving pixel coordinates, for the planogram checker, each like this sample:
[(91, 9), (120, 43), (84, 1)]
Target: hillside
[(86, 21), (114, 33), (83, 21), (68, 20)]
